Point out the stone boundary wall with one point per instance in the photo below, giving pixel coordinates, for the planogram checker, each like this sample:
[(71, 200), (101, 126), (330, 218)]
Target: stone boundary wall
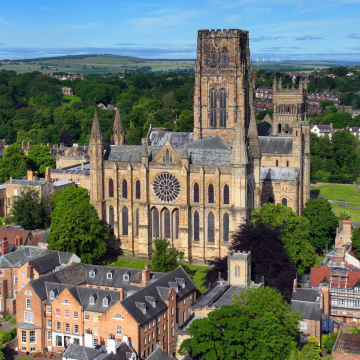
[(320, 183)]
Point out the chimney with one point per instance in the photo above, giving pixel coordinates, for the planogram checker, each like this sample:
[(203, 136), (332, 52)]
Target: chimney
[(23, 144), (4, 246), (82, 166), (48, 174), (321, 300), (48, 144), (331, 126), (294, 285), (122, 295), (29, 144), (10, 179), (326, 298), (62, 145), (30, 272), (159, 345), (30, 175), (18, 240), (145, 275)]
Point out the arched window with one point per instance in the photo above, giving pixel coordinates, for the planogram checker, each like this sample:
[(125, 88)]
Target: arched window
[(226, 228), (196, 193), (137, 222), (213, 107), (284, 201), (155, 223), (287, 129), (223, 108), (211, 227), (111, 216), (287, 164), (237, 271), (165, 223), (226, 194), (176, 224), (125, 220), (111, 188), (213, 58), (196, 226), (167, 156), (270, 200), (211, 194), (277, 162), (224, 58), (124, 189), (279, 128), (138, 189)]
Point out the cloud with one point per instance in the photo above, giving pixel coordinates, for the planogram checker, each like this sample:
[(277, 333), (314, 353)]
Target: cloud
[(273, 48), (265, 38), (354, 48), (354, 36), (126, 44), (309, 37), (295, 47)]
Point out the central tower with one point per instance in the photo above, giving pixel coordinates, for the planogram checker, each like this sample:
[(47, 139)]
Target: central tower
[(222, 72)]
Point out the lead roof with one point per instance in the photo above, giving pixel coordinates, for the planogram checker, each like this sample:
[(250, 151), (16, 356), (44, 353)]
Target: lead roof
[(276, 144), (279, 173)]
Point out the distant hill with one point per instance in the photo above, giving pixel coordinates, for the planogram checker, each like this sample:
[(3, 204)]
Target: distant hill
[(79, 57)]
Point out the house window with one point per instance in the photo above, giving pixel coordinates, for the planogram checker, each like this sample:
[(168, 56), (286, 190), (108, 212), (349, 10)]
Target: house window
[(109, 275), (125, 220), (105, 302), (67, 314), (86, 316), (57, 312), (211, 227), (67, 327), (118, 317), (277, 162), (91, 300), (29, 317), (137, 189), (48, 309), (92, 273), (76, 315), (95, 317), (124, 189), (48, 324), (303, 325), (32, 349), (196, 226), (237, 271), (15, 192), (15, 280), (95, 331), (96, 341), (172, 310), (58, 340), (28, 292), (211, 194), (15, 293), (226, 195), (78, 181), (66, 302), (164, 327), (58, 326), (51, 295), (226, 227), (118, 330), (172, 328), (49, 335), (196, 192), (111, 188), (76, 329), (22, 274), (28, 304), (23, 336)]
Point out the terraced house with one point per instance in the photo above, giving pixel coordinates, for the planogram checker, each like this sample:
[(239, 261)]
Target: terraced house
[(95, 305)]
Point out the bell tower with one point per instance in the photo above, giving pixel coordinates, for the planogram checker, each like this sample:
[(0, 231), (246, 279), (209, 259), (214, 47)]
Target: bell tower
[(222, 75)]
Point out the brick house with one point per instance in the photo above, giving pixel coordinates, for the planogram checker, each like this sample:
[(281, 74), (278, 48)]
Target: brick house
[(60, 309)]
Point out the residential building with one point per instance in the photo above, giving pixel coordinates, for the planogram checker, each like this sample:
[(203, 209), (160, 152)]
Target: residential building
[(78, 174), (15, 237), (322, 130), (67, 91), (69, 156), (354, 131), (264, 92)]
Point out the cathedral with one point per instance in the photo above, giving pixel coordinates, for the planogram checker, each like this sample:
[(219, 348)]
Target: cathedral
[(196, 188)]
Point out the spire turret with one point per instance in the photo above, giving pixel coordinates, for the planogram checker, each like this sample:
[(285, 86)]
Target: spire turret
[(118, 132), (96, 130), (185, 154)]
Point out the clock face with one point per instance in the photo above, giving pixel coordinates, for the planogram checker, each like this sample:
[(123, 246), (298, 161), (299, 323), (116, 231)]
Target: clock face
[(166, 187)]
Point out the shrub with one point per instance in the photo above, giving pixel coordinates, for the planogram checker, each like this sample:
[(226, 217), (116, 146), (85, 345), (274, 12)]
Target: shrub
[(328, 341)]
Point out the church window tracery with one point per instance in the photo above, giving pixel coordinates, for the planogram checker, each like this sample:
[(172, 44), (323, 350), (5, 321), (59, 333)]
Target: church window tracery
[(166, 187), (155, 223), (226, 228), (124, 189), (137, 222), (224, 57), (176, 224), (213, 107), (196, 192), (211, 194), (223, 108), (226, 194), (196, 226), (125, 220), (167, 156), (165, 223), (111, 188), (211, 227), (137, 189)]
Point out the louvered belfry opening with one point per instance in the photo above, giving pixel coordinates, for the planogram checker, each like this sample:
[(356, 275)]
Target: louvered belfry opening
[(111, 188), (211, 227), (223, 108), (226, 227), (111, 216), (138, 189), (124, 189), (196, 226), (213, 58), (224, 58), (137, 222), (155, 223), (125, 220), (213, 106)]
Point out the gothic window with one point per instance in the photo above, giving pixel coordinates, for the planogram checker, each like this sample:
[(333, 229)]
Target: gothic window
[(196, 226), (226, 195), (279, 128), (287, 164), (196, 192), (155, 223), (213, 58), (212, 107), (226, 228), (211, 194), (287, 129), (224, 58), (125, 220), (277, 162), (211, 227), (167, 156), (137, 222), (237, 271), (176, 224), (270, 200), (223, 108), (166, 187), (111, 188), (124, 189), (284, 201), (165, 223), (111, 216), (137, 189)]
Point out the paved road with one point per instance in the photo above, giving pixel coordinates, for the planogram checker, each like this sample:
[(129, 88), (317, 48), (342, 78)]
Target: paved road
[(343, 204)]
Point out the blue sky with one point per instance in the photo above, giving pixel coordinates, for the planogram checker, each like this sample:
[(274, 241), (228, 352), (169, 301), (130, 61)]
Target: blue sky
[(284, 29)]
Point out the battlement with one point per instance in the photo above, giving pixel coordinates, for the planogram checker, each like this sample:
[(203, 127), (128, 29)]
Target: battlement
[(240, 256), (223, 33)]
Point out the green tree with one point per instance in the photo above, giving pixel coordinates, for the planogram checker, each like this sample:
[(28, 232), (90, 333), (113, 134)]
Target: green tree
[(311, 351), (165, 257), (259, 325), (355, 239), (294, 233), (185, 122), (39, 158), (13, 164), (322, 222), (29, 210), (326, 103), (76, 227)]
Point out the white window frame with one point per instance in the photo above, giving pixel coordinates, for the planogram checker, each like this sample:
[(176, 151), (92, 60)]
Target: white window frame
[(29, 317), (76, 329), (86, 316), (48, 310), (118, 317), (48, 323), (1, 272), (95, 331), (58, 326), (68, 314), (105, 302), (23, 336), (28, 304), (118, 330), (303, 325), (56, 312), (34, 337), (22, 275), (91, 300), (92, 273), (109, 275), (15, 293), (76, 315), (66, 302), (67, 327), (51, 295), (15, 280), (28, 292)]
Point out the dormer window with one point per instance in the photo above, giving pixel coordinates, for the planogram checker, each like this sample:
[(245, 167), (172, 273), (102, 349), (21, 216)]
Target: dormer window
[(91, 300), (92, 273), (51, 295), (141, 307), (28, 292), (151, 300), (109, 275), (105, 302), (126, 277)]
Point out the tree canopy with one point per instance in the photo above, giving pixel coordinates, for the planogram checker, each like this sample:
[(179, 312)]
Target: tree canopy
[(39, 158), (294, 233), (322, 222), (13, 164), (76, 227), (355, 239), (259, 325)]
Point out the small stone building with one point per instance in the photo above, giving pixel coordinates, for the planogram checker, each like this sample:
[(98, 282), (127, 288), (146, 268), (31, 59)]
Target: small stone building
[(67, 91)]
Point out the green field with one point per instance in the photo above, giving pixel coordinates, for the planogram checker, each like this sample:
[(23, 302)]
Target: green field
[(71, 99), (140, 264), (347, 193)]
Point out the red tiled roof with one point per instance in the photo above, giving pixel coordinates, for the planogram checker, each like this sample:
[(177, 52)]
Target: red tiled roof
[(317, 275), (11, 234)]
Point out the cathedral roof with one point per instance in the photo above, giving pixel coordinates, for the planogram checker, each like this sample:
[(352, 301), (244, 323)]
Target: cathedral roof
[(264, 128), (276, 144), (159, 138), (278, 173)]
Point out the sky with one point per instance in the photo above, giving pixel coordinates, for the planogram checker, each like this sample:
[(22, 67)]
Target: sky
[(279, 29)]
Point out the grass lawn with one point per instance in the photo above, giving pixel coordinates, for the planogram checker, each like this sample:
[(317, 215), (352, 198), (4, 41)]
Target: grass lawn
[(140, 264), (72, 99), (23, 359)]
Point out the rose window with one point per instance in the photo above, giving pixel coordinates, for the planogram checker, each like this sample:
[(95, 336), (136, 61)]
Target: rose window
[(166, 187)]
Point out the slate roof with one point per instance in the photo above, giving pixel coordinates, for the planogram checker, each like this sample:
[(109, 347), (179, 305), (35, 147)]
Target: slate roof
[(46, 263), (134, 303), (276, 144), (159, 138), (278, 173), (27, 326), (264, 128), (124, 352), (158, 354), (84, 294), (74, 169), (307, 303), (129, 153), (62, 182), (27, 182), (347, 343), (225, 299), (80, 352), (117, 279)]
